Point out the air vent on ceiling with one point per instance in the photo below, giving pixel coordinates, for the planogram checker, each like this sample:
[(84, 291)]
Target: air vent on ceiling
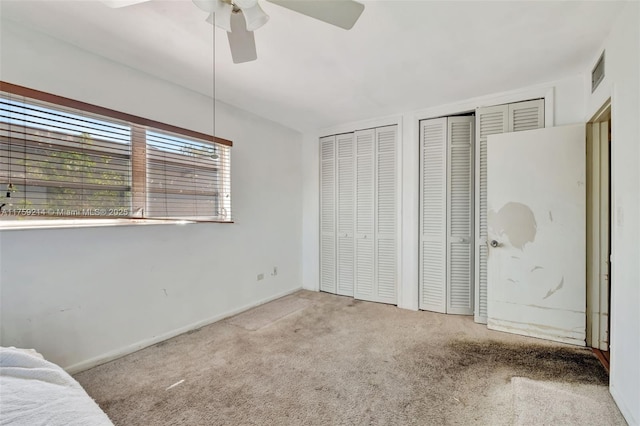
[(597, 75)]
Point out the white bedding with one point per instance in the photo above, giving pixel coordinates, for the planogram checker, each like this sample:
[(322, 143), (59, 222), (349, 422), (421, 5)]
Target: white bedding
[(36, 392)]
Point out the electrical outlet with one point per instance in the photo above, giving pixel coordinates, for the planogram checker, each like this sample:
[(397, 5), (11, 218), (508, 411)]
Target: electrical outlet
[(260, 277), (275, 271)]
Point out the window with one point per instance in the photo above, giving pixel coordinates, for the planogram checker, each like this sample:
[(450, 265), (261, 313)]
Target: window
[(63, 159)]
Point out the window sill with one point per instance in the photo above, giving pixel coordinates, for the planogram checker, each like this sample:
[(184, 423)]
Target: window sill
[(14, 225)]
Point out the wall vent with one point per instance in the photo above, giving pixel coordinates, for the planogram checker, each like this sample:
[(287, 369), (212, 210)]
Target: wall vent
[(597, 75)]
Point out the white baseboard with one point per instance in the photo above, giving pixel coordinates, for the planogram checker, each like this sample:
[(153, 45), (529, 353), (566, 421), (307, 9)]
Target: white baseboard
[(110, 356)]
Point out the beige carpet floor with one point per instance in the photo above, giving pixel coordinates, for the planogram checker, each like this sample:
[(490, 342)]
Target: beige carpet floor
[(331, 360), (582, 404)]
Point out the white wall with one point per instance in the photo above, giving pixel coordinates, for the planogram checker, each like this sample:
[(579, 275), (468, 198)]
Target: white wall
[(84, 295), (622, 84), (565, 105)]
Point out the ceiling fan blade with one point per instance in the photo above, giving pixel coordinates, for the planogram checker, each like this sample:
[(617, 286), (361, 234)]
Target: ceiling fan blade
[(241, 41), (341, 13), (114, 4)]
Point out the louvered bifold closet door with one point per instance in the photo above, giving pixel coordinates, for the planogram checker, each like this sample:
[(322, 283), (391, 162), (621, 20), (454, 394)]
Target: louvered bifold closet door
[(433, 213), (527, 115), (386, 215), (364, 223), (327, 215), (345, 214), (489, 121), (460, 296)]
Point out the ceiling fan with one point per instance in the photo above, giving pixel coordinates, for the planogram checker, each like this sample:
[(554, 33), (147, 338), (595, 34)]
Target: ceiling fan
[(240, 18)]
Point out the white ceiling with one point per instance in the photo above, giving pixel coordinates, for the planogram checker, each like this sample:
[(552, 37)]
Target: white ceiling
[(400, 56)]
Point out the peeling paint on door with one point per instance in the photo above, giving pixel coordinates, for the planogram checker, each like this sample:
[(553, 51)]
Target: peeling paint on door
[(551, 292), (515, 221), (539, 216)]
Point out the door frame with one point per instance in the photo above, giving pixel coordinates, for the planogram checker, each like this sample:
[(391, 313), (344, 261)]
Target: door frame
[(599, 228)]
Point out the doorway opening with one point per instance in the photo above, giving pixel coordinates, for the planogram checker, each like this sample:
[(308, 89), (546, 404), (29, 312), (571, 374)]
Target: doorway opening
[(599, 232)]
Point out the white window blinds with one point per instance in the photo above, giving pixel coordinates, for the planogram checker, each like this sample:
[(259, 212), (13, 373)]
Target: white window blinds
[(186, 177), (62, 162)]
